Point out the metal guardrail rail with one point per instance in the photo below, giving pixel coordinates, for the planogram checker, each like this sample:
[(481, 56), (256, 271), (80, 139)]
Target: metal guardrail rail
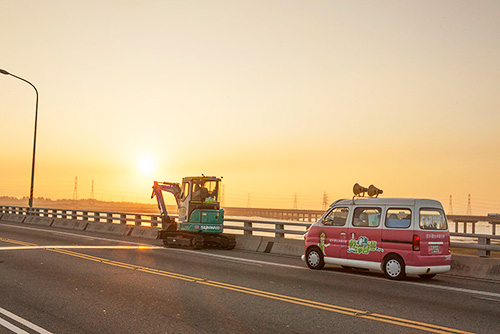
[(280, 229)]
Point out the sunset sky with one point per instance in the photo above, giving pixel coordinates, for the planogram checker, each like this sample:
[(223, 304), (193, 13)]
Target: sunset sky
[(278, 97)]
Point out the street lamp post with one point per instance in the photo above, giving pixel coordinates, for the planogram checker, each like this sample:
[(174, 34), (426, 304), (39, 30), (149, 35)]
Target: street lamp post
[(34, 137)]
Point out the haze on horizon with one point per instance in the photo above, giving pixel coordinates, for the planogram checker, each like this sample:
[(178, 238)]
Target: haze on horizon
[(278, 97)]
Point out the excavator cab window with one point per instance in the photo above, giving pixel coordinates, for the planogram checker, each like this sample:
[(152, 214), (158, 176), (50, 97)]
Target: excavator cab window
[(185, 191), (206, 191)]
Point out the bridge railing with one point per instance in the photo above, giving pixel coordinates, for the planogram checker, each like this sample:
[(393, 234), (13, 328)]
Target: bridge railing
[(280, 229), (483, 243)]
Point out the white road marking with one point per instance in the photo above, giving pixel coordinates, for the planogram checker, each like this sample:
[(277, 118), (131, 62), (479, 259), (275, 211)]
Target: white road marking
[(258, 262), (20, 320), (74, 235), (11, 327)]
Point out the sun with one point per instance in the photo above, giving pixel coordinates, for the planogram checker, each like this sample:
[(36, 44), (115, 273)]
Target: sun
[(146, 165)]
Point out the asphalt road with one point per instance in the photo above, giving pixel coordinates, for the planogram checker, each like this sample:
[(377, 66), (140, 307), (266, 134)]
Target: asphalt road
[(64, 281)]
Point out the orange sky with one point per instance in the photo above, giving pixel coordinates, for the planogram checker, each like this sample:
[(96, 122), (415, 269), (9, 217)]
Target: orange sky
[(278, 97)]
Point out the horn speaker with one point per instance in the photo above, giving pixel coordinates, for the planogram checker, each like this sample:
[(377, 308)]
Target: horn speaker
[(374, 191), (358, 190)]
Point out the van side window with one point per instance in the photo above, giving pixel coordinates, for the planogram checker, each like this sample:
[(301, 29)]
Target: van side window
[(337, 217), (366, 217), (398, 218), (433, 219)]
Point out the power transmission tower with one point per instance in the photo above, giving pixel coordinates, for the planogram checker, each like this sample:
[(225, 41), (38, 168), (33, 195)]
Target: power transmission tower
[(295, 206), (75, 190), (223, 197), (325, 200), (92, 192), (469, 207), (451, 205)]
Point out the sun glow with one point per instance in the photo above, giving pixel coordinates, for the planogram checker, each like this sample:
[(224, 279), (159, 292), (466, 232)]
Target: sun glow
[(146, 165)]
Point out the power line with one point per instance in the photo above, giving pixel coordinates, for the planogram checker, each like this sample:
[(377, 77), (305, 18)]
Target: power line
[(75, 190), (469, 207), (325, 200), (451, 205), (92, 191)]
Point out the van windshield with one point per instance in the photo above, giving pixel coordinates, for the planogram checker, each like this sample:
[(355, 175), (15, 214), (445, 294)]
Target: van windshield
[(433, 219)]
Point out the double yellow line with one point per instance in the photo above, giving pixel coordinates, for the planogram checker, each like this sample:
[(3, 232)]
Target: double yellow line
[(265, 294)]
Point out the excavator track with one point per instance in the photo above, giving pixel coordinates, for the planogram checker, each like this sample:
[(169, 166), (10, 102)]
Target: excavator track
[(219, 241), (181, 240), (188, 240)]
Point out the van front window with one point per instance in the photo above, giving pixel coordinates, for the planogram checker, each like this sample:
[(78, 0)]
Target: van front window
[(337, 217), (433, 219)]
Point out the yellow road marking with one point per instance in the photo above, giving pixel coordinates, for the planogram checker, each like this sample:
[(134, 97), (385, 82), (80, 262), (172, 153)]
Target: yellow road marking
[(265, 294)]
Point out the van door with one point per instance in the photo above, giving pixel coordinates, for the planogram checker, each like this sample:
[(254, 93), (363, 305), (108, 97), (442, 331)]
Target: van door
[(397, 234), (365, 235), (333, 237)]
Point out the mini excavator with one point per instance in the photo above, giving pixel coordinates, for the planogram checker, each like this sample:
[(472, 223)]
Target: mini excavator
[(200, 220)]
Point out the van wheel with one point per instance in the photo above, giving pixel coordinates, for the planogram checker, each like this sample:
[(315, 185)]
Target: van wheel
[(314, 258), (427, 276), (394, 267)]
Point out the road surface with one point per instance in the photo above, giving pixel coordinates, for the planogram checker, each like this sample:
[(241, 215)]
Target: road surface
[(65, 281)]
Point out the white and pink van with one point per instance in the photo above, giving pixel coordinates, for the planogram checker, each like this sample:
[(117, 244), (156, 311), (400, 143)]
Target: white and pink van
[(395, 235)]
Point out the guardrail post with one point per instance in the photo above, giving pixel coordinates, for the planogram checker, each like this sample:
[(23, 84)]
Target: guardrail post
[(123, 218), (138, 220), (280, 234), (249, 226), (110, 218), (85, 215), (483, 252)]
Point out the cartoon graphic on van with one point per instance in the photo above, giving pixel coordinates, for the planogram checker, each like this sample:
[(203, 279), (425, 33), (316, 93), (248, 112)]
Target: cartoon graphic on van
[(322, 240), (363, 246)]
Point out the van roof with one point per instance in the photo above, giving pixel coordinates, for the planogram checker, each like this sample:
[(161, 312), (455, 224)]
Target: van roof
[(389, 201)]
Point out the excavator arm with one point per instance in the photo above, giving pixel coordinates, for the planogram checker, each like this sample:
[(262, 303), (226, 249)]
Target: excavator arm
[(174, 189)]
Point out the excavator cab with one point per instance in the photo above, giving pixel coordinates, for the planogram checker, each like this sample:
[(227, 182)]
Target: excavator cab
[(199, 205)]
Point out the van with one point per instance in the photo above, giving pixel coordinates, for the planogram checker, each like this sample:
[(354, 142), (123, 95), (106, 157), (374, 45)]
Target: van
[(394, 235)]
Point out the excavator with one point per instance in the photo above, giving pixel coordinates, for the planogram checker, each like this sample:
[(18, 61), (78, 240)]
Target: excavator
[(199, 224)]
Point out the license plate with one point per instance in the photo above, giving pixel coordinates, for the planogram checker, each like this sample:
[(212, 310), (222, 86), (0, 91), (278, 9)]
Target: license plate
[(434, 249)]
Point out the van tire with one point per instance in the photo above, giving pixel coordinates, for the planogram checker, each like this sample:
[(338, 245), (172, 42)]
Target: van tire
[(427, 276), (394, 267), (314, 258)]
